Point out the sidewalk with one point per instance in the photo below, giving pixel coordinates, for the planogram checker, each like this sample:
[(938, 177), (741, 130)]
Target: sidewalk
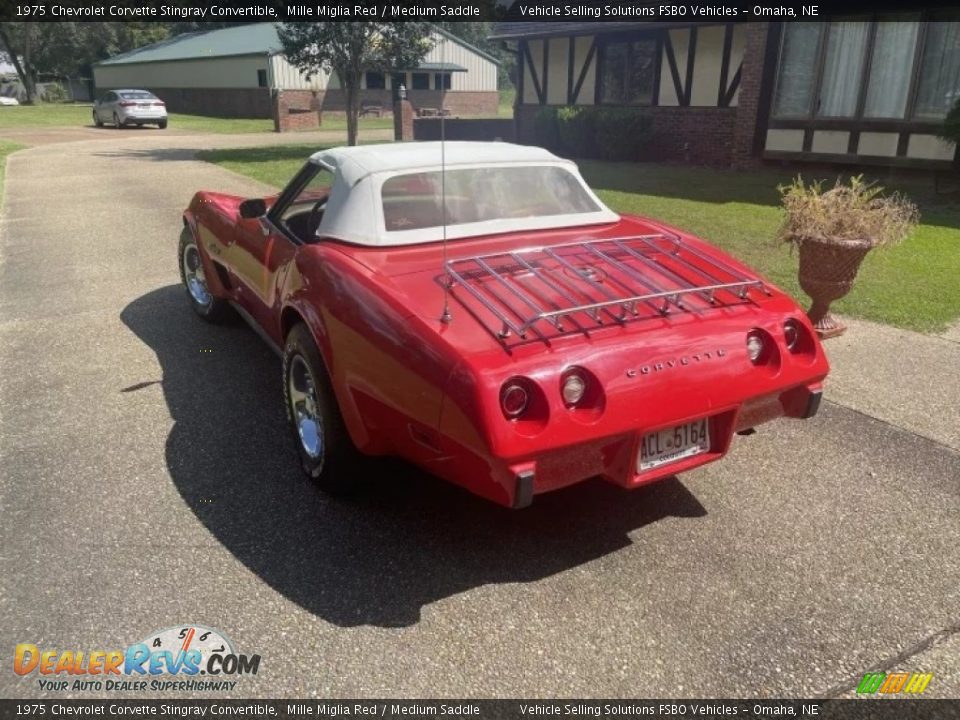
[(953, 333), (902, 377)]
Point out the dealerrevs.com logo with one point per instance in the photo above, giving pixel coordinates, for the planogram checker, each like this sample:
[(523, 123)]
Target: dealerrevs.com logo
[(186, 657)]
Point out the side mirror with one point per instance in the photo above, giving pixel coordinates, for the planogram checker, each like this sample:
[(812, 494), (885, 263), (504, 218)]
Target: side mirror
[(251, 209)]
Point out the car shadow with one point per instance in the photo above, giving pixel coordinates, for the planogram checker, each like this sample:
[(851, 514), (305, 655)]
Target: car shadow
[(112, 128), (405, 541), (201, 151)]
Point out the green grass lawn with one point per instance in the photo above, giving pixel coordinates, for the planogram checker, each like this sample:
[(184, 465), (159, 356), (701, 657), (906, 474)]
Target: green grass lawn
[(43, 116), (915, 285), (271, 165), (6, 148), (199, 123), (339, 122), (78, 115)]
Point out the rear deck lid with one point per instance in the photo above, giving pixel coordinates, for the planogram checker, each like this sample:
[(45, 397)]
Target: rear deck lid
[(578, 287)]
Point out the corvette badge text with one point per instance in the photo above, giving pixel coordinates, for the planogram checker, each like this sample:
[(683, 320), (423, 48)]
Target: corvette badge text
[(170, 659)]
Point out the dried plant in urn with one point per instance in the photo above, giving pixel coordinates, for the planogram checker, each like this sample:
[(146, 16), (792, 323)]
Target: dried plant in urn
[(834, 229)]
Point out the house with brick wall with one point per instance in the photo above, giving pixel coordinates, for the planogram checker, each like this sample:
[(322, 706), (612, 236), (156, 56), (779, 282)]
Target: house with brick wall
[(241, 72), (861, 90)]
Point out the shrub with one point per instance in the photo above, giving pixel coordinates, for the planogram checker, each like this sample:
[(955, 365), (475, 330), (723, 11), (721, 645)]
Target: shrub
[(594, 132), (852, 211), (623, 133), (576, 131), (54, 93), (951, 125), (545, 126)]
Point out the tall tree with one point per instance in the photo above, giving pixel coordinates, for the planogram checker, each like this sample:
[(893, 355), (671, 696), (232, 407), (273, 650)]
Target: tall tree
[(67, 49), (351, 48), (17, 46), (44, 48)]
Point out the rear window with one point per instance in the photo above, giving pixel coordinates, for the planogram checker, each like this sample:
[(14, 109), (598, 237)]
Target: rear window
[(139, 95), (413, 201)]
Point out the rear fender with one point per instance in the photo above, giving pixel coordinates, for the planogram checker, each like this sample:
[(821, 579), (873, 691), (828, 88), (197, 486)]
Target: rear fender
[(298, 309), (386, 367)]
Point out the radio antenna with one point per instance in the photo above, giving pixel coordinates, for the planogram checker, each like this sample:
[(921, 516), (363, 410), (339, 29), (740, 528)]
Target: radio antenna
[(445, 316)]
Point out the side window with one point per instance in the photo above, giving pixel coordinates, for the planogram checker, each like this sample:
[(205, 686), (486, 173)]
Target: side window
[(302, 216)]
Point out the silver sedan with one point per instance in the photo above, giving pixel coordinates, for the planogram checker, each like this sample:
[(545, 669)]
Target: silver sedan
[(129, 107)]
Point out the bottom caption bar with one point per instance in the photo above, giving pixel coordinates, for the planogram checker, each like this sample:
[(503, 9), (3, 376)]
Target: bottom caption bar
[(474, 709)]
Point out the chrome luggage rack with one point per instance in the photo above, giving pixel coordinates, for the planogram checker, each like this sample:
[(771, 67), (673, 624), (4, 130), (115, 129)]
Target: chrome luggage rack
[(593, 282)]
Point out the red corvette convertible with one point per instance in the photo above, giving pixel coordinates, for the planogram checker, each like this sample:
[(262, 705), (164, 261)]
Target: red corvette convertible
[(475, 309)]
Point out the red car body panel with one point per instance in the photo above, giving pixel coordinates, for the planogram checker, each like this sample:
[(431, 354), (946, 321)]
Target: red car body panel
[(428, 391)]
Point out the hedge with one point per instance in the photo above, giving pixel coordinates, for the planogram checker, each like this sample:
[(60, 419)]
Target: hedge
[(595, 132)]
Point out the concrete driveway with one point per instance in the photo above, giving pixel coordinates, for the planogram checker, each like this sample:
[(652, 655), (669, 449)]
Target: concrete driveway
[(147, 481)]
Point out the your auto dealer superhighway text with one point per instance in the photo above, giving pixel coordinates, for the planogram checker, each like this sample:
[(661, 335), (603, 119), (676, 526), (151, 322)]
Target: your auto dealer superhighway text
[(163, 11)]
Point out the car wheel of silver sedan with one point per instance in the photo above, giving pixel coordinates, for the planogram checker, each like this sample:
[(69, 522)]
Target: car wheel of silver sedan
[(116, 122), (96, 119), (194, 279), (327, 454)]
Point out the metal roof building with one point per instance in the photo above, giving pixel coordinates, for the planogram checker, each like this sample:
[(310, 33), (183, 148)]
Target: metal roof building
[(238, 71)]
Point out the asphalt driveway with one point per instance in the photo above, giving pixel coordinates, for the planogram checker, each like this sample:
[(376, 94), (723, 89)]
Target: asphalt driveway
[(146, 481)]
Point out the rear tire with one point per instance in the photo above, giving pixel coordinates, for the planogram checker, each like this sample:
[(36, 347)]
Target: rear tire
[(210, 308), (327, 454), (116, 122), (162, 124)]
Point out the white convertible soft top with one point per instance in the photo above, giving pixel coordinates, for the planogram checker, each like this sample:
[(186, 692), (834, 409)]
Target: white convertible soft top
[(355, 208)]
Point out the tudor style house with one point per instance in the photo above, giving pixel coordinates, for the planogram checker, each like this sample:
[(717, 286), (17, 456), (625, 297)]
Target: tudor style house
[(862, 90)]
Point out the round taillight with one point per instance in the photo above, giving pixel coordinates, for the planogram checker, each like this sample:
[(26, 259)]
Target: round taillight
[(791, 334), (514, 399), (573, 388), (754, 347)]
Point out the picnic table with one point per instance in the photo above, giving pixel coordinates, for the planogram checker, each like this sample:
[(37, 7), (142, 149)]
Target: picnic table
[(433, 112)]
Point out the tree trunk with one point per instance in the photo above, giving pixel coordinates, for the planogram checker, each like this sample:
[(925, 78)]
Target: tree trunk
[(22, 72), (352, 87)]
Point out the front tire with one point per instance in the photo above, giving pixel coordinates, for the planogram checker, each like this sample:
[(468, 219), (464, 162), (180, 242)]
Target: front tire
[(194, 279), (96, 120), (327, 455)]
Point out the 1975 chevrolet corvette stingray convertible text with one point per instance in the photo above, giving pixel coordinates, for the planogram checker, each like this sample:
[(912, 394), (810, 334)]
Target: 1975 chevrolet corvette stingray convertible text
[(475, 309)]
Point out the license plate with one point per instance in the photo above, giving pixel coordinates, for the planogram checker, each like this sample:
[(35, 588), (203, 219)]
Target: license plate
[(672, 444)]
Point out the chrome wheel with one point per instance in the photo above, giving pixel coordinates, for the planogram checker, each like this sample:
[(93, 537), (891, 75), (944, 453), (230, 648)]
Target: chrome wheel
[(305, 407), (193, 276)]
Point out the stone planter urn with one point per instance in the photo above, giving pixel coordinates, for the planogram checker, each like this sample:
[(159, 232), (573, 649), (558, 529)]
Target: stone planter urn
[(827, 271), (833, 230)]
